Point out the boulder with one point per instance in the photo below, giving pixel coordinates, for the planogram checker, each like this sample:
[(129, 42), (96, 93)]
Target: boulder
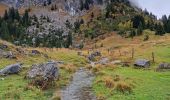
[(164, 66), (47, 71), (9, 55), (11, 69), (35, 52), (93, 64), (21, 51), (92, 56), (43, 75), (104, 61), (3, 46), (116, 62), (142, 63)]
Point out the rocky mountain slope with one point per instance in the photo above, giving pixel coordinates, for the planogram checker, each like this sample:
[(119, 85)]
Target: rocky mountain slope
[(70, 5)]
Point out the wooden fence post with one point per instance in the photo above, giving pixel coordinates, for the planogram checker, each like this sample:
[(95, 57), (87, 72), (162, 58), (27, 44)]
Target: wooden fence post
[(120, 52), (108, 50), (133, 51), (153, 57)]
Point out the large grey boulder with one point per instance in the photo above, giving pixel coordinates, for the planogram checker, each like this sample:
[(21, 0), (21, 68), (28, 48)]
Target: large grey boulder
[(11, 69), (7, 54), (35, 52), (92, 56), (3, 46), (46, 71), (104, 61), (116, 62), (164, 66), (43, 75), (142, 63)]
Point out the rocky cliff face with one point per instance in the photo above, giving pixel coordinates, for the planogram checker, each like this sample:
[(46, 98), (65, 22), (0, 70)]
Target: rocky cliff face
[(26, 3), (72, 6)]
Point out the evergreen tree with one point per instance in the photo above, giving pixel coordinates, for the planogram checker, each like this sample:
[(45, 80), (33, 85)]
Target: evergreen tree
[(4, 31), (49, 2), (77, 25), (140, 29), (137, 20), (25, 19), (6, 15), (160, 30), (165, 22), (100, 2), (12, 13), (86, 5), (132, 33), (81, 5), (68, 24), (69, 40), (52, 8), (17, 16)]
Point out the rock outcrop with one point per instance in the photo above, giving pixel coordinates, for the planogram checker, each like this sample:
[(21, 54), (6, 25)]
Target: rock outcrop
[(142, 63), (92, 56), (7, 54), (43, 74), (11, 69), (164, 66)]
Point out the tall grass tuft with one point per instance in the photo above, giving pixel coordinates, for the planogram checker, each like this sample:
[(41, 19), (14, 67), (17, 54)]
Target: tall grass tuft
[(123, 87)]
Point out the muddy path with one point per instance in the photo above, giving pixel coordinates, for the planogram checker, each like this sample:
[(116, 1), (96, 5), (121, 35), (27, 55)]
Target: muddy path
[(80, 87)]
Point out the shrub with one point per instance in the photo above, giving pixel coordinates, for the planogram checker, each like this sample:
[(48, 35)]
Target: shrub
[(101, 97), (117, 78), (70, 68), (108, 81), (96, 68), (57, 98), (123, 87), (89, 67), (146, 38), (41, 83)]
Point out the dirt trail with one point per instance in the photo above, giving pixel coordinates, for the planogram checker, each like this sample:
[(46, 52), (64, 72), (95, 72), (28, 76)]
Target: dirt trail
[(80, 87)]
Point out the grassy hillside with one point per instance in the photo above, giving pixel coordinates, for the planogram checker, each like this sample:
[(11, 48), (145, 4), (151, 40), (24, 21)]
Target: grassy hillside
[(18, 88), (108, 31), (115, 82)]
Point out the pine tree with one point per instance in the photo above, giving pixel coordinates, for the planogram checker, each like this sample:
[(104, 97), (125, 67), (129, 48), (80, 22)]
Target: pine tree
[(4, 31), (137, 20), (81, 5), (11, 13), (68, 24), (160, 30), (77, 25), (165, 22), (17, 16), (25, 19), (6, 15), (49, 2), (52, 8), (140, 29), (86, 5), (69, 40), (132, 33)]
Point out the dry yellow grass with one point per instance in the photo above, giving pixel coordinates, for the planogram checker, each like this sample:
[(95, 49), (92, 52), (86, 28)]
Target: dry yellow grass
[(97, 68), (123, 87), (109, 82), (70, 68)]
